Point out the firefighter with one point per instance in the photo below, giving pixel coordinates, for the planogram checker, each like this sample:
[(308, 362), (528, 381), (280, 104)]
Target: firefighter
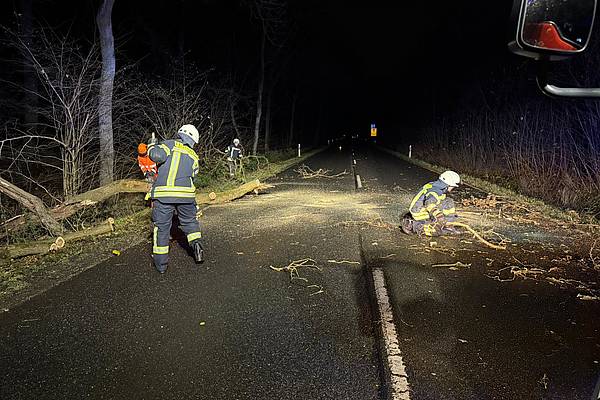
[(234, 155), (431, 209), (174, 190), (147, 166)]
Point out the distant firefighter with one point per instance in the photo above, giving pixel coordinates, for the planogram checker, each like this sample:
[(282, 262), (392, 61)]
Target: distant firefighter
[(431, 209), (234, 156)]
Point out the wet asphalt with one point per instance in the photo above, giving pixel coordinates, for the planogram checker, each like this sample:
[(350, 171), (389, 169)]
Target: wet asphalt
[(464, 335), (234, 328)]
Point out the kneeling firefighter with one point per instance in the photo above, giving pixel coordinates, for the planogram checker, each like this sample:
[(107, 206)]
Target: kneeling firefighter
[(174, 190), (431, 209)]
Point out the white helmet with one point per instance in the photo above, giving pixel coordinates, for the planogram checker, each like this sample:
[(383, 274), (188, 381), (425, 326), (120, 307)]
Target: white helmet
[(450, 178), (236, 141), (187, 132)]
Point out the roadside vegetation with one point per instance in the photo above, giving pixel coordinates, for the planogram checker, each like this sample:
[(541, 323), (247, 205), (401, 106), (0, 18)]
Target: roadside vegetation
[(510, 134)]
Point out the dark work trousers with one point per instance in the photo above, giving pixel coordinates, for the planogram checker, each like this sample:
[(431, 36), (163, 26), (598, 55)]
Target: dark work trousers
[(427, 226), (162, 217)]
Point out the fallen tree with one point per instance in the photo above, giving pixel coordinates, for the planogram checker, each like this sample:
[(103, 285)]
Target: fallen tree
[(90, 198), (229, 195), (33, 204), (71, 206)]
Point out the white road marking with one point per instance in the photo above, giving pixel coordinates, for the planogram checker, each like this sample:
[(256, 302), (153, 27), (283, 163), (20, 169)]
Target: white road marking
[(358, 182), (354, 162), (399, 387)]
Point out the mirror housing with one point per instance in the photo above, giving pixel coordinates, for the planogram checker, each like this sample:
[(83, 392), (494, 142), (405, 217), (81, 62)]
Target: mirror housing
[(551, 29)]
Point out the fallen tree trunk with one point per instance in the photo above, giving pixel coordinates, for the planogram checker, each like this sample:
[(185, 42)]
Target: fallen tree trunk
[(76, 203), (33, 204), (229, 195), (48, 245), (92, 197)]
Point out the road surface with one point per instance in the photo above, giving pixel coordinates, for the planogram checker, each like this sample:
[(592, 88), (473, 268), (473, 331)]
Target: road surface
[(236, 328)]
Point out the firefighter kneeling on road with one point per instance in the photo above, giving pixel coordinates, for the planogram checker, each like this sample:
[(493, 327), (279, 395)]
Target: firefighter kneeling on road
[(174, 190), (431, 209)]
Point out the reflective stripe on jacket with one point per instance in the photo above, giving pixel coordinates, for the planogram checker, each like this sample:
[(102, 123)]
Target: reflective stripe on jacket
[(426, 204), (178, 166)]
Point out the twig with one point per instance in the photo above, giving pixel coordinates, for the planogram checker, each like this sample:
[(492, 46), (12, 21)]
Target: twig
[(477, 235), (456, 265), (292, 268), (343, 262)]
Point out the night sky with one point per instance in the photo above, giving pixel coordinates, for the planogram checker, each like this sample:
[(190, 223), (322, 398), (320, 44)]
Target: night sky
[(389, 62)]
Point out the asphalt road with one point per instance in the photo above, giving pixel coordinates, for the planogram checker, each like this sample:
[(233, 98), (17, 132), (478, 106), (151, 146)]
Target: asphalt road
[(235, 328)]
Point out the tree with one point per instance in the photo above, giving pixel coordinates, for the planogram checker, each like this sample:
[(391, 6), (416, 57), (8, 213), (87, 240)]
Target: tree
[(105, 128), (271, 15)]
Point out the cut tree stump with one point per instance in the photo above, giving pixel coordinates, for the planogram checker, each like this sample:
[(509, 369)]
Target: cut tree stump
[(47, 245)]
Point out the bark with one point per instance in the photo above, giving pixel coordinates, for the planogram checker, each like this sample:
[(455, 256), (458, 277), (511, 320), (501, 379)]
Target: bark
[(107, 45), (259, 100), (46, 246), (33, 204)]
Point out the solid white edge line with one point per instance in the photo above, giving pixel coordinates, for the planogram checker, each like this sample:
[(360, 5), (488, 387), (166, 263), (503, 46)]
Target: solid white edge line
[(358, 182), (399, 386)]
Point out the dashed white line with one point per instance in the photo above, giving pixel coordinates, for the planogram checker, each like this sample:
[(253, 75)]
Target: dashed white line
[(358, 182), (399, 387)]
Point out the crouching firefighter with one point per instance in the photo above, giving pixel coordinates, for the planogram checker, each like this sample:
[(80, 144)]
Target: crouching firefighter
[(431, 209), (174, 190)]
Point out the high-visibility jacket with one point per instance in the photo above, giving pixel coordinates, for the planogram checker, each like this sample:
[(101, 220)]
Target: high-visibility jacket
[(427, 204), (177, 168)]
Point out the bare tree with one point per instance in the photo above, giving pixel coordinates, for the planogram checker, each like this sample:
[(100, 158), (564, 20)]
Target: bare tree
[(107, 45), (67, 96), (271, 15)]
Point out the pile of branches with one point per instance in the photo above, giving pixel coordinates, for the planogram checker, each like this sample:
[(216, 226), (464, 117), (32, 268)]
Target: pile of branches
[(307, 173)]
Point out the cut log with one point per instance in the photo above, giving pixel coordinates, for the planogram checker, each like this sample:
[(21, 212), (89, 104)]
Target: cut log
[(229, 195), (33, 204), (48, 245)]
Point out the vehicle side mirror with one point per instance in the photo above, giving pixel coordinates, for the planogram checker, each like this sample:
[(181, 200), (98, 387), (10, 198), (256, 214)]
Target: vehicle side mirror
[(551, 29)]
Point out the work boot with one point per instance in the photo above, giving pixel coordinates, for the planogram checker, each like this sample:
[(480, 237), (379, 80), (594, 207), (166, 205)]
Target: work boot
[(197, 251), (407, 224), (450, 230)]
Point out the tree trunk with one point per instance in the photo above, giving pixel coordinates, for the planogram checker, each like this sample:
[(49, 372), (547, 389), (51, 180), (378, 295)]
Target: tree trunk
[(33, 204), (292, 117), (233, 120), (107, 45), (268, 120), (30, 80), (261, 85)]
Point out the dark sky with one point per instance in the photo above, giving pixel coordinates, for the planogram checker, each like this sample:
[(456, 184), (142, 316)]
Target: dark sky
[(379, 60)]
